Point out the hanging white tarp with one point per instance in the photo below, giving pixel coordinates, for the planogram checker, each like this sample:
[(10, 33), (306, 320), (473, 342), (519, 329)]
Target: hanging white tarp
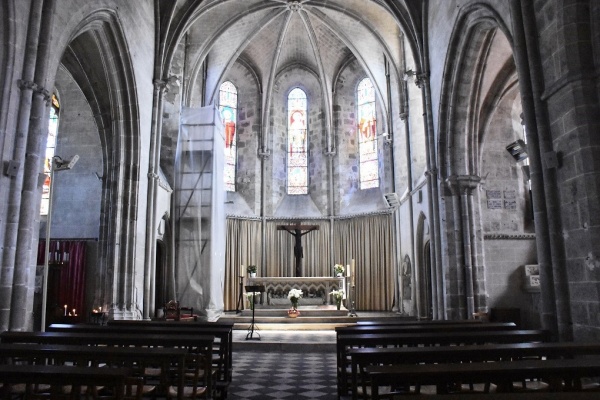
[(200, 212)]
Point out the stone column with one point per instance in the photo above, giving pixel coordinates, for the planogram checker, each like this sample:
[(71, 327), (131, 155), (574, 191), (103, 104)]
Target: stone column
[(153, 169), (462, 190)]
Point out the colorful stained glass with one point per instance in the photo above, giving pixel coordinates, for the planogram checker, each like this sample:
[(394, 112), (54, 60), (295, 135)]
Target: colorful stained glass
[(228, 109), (50, 149), (297, 160), (367, 135)]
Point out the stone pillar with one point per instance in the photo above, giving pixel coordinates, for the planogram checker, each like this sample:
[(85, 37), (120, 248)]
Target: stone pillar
[(153, 169), (462, 187)]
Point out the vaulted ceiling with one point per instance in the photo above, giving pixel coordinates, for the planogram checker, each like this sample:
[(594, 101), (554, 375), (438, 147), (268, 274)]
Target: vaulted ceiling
[(272, 35)]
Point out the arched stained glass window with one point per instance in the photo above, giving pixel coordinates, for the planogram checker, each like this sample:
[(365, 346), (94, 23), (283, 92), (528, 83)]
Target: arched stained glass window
[(297, 160), (50, 149), (367, 135), (228, 109)]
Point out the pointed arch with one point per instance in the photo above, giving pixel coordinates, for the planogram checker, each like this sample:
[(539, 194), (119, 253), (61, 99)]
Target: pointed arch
[(100, 37)]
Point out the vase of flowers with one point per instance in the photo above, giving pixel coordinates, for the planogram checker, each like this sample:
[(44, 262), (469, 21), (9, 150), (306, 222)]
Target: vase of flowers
[(294, 295), (338, 296), (252, 270), (338, 269)]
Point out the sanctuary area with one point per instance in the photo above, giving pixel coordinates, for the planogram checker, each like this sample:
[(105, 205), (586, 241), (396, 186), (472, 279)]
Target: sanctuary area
[(434, 159)]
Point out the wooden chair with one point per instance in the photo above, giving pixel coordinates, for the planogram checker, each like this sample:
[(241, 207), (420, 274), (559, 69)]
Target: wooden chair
[(173, 311)]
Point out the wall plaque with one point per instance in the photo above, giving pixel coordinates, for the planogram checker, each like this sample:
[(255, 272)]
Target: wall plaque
[(510, 204), (494, 194), (494, 204), (510, 194)]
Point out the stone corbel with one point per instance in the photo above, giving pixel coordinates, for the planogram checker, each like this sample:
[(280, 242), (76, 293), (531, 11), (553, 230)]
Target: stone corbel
[(463, 184)]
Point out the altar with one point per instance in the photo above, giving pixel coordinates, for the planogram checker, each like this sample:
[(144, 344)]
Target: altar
[(316, 290)]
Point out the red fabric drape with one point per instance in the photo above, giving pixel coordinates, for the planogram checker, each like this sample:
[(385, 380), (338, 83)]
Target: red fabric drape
[(71, 282)]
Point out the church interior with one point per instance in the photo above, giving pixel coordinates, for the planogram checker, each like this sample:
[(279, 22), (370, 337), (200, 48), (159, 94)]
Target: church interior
[(441, 152)]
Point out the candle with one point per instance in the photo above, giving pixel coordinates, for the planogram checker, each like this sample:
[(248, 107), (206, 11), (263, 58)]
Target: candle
[(348, 270), (100, 309), (65, 310), (353, 271), (242, 270)]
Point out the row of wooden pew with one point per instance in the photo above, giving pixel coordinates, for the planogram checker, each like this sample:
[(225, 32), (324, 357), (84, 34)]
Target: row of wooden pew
[(176, 359), (402, 356)]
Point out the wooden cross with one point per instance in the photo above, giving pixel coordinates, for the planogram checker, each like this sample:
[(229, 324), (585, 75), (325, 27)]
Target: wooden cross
[(298, 231)]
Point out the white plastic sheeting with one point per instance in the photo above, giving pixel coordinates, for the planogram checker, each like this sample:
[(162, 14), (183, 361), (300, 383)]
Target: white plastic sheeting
[(200, 212)]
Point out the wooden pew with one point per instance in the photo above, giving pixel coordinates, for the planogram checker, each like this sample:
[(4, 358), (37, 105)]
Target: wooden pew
[(364, 357), (344, 342), (223, 332), (504, 373), (400, 321), (202, 344), (168, 359), (492, 326), (58, 376)]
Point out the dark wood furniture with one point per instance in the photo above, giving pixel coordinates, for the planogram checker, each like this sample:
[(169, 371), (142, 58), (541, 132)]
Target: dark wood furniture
[(345, 342), (365, 357), (564, 374), (194, 343), (58, 376), (167, 360)]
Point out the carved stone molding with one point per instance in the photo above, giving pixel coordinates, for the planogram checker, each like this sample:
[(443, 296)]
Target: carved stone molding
[(509, 236)]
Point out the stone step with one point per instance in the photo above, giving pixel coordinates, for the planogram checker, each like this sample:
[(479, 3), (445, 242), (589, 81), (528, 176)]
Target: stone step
[(305, 311)]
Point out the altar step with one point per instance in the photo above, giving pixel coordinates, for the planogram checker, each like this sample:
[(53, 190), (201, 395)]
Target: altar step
[(311, 319)]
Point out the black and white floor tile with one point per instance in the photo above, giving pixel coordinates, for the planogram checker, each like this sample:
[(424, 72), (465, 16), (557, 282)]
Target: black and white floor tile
[(279, 375)]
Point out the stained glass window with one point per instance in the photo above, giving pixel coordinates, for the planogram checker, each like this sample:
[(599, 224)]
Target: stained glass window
[(50, 148), (297, 160), (367, 135), (228, 109)]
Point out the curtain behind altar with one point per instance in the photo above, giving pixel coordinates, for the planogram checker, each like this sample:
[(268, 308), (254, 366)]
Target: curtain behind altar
[(243, 247), (280, 250), (370, 242)]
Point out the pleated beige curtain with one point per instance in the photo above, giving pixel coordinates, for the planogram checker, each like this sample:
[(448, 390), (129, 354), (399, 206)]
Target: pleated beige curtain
[(279, 244), (243, 246), (369, 241)]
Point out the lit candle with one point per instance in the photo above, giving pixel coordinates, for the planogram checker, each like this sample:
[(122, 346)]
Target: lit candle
[(100, 309), (65, 310)]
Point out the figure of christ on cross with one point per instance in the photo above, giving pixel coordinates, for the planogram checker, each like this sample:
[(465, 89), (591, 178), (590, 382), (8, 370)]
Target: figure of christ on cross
[(298, 231)]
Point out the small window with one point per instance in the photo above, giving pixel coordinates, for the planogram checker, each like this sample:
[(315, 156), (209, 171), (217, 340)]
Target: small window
[(367, 135), (228, 109), (297, 160), (50, 150)]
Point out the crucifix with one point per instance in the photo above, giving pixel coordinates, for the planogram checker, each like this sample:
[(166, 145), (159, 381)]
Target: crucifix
[(298, 231)]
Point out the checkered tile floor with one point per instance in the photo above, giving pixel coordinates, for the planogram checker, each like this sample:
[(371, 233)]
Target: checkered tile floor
[(277, 375)]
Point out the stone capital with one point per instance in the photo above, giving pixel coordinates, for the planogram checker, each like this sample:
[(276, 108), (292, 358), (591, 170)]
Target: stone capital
[(463, 184)]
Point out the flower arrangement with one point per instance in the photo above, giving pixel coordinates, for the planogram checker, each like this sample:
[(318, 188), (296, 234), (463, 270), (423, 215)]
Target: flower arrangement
[(294, 295), (338, 269), (338, 295), (251, 269)]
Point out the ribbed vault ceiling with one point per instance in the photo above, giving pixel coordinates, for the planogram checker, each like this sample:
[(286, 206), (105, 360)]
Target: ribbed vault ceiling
[(271, 35)]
